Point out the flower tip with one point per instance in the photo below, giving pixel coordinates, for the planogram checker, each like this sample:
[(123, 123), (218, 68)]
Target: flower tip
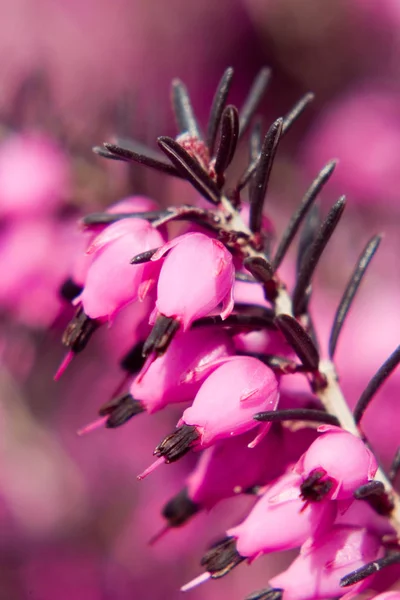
[(151, 468), (196, 581), (92, 426), (64, 364)]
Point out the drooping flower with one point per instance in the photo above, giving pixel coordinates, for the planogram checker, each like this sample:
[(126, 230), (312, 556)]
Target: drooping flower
[(168, 379), (335, 465), (111, 281), (279, 521), (226, 469), (223, 407), (317, 571), (197, 275)]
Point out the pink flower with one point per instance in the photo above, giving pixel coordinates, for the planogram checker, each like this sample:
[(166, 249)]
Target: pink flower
[(197, 275), (317, 571), (112, 282), (335, 465), (34, 176), (231, 467), (280, 520), (165, 381), (226, 402), (82, 262), (223, 407)]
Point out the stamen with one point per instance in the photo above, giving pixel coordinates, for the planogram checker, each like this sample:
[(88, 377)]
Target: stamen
[(195, 582), (92, 426), (157, 463), (64, 364)]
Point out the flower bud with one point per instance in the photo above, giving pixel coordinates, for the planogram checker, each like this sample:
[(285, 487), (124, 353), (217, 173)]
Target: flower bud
[(223, 407), (165, 380), (317, 571), (111, 281), (197, 275), (335, 465), (226, 402), (280, 520)]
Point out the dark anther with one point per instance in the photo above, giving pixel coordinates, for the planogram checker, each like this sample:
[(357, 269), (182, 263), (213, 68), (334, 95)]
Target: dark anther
[(296, 111), (253, 99), (262, 174), (314, 253), (375, 383), (190, 169), (179, 509), (227, 142), (298, 217), (316, 486), (217, 107), (369, 569), (222, 558), (160, 336), (178, 443), (118, 152), (79, 331), (266, 594), (351, 290), (133, 360), (183, 110), (119, 410), (395, 466), (297, 414), (375, 494), (70, 290), (143, 257), (299, 340)]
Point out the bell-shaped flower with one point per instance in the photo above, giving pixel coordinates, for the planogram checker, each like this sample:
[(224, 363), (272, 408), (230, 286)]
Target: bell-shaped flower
[(197, 276), (223, 407), (281, 520), (226, 402), (129, 204), (165, 380), (335, 465), (231, 467), (111, 281), (317, 571)]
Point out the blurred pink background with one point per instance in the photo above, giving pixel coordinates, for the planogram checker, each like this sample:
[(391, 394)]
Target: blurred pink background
[(74, 521)]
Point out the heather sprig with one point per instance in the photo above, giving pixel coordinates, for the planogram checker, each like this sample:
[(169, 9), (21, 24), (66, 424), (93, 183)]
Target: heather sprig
[(199, 350)]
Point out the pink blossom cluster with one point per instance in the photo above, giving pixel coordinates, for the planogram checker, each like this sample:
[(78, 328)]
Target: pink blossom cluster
[(220, 333)]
